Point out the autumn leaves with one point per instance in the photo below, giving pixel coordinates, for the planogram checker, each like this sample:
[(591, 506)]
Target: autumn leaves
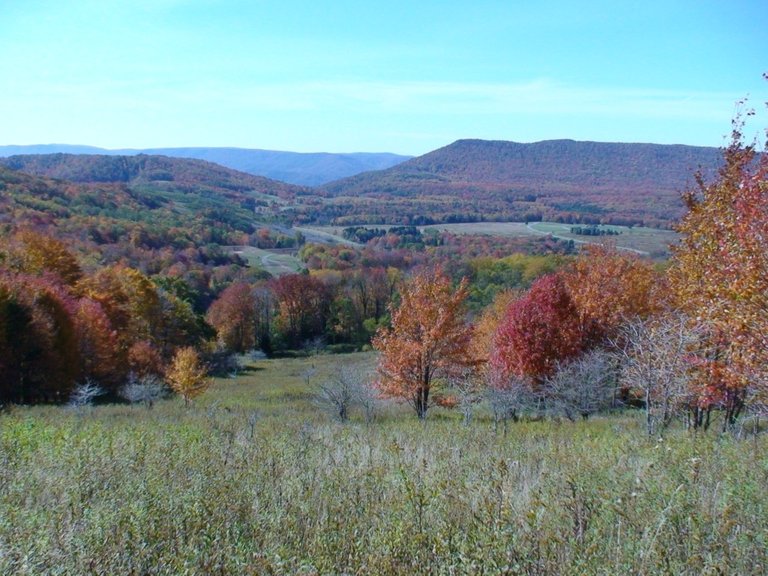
[(428, 340), (523, 337), (686, 340)]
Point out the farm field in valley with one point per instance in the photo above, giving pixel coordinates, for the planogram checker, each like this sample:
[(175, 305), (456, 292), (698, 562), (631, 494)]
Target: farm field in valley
[(276, 262), (647, 241)]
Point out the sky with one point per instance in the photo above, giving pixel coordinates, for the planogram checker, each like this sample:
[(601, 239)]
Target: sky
[(403, 76)]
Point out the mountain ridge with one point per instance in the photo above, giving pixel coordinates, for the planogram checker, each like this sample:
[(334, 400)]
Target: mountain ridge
[(552, 179), (470, 180), (299, 168), (144, 168)]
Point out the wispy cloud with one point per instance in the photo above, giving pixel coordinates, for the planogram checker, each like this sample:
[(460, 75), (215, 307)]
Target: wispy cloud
[(402, 116), (534, 97)]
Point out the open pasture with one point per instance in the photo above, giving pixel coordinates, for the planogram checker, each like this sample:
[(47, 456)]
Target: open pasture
[(254, 479), (276, 262)]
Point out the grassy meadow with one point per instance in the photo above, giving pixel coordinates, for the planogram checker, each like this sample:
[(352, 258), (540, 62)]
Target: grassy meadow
[(253, 478), (276, 262)]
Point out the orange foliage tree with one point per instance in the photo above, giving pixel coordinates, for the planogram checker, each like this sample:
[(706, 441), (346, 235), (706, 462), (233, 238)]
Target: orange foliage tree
[(101, 358), (611, 288), (429, 339), (720, 276), (488, 322)]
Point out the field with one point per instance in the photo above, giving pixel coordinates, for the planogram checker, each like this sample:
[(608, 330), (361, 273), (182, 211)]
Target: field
[(647, 241), (276, 262), (324, 235), (254, 479)]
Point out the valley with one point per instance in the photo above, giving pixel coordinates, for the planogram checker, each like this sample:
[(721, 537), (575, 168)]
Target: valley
[(420, 370)]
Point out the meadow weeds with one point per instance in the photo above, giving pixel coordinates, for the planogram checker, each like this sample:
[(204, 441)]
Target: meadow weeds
[(254, 479)]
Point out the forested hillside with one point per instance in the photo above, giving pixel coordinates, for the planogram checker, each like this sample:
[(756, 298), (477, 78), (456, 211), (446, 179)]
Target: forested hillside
[(305, 169), (110, 274), (136, 203), (163, 171), (558, 180)]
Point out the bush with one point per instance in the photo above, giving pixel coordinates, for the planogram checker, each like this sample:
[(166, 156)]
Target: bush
[(146, 389)]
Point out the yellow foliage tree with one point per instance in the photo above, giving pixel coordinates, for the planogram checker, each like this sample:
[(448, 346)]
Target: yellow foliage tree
[(187, 376), (36, 253)]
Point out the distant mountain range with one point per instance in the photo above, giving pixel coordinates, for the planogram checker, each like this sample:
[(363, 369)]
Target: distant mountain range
[(304, 169), (467, 181), (555, 179)]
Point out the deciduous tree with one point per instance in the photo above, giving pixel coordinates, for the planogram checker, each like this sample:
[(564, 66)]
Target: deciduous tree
[(720, 273), (303, 304), (234, 316), (39, 356), (583, 386), (429, 339), (610, 288), (35, 253), (657, 366), (538, 331), (488, 323), (187, 376), (103, 361)]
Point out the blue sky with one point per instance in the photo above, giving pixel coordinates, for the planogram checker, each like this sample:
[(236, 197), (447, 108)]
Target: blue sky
[(399, 76)]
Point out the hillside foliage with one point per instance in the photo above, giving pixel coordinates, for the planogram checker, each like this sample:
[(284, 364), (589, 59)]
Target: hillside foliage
[(558, 180)]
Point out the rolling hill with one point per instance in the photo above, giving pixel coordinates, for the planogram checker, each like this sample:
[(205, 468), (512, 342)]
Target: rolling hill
[(552, 180), (467, 181), (162, 171), (162, 203), (305, 169)]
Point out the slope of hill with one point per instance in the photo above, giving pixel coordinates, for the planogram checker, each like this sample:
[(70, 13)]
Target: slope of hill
[(552, 180), (162, 171), (139, 208), (306, 169)]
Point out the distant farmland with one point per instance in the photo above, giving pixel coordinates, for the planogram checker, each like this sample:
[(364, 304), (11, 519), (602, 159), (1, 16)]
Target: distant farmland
[(652, 242)]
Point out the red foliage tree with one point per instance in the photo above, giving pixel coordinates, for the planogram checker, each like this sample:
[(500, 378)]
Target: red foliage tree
[(145, 359), (39, 357), (303, 302), (538, 330), (234, 316)]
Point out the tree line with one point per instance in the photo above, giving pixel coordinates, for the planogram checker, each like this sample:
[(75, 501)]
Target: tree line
[(609, 329)]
